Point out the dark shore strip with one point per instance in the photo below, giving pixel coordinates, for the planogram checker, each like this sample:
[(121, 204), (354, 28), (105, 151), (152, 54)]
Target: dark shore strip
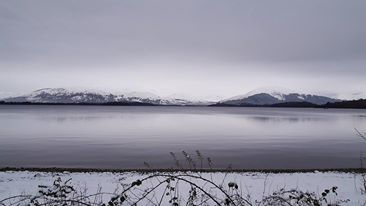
[(139, 170), (352, 104), (99, 104), (81, 104)]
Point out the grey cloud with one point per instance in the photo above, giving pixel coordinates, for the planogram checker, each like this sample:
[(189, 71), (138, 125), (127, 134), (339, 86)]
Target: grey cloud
[(237, 30), (314, 37)]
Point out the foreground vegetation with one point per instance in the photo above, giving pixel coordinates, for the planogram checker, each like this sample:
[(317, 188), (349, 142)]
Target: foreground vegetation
[(169, 189), (164, 188)]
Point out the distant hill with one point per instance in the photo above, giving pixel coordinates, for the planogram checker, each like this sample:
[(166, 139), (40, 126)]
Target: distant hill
[(66, 96), (276, 98), (354, 104), (61, 96)]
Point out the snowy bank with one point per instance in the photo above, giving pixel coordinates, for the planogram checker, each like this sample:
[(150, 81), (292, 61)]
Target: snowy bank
[(253, 185)]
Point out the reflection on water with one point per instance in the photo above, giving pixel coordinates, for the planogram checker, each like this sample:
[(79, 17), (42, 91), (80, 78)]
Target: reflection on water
[(125, 137), (288, 119)]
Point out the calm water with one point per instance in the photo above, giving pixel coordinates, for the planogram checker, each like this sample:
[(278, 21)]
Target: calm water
[(126, 137)]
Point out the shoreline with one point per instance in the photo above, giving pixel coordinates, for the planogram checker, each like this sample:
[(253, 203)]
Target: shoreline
[(140, 104), (173, 170)]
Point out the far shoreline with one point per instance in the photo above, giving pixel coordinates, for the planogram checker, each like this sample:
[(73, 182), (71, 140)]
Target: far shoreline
[(280, 105)]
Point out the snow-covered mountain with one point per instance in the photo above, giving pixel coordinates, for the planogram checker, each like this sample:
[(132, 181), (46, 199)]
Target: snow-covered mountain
[(72, 96), (179, 98), (68, 96), (275, 97)]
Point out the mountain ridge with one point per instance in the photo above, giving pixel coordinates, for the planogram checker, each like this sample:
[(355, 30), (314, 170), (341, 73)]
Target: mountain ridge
[(276, 97), (87, 97), (67, 96)]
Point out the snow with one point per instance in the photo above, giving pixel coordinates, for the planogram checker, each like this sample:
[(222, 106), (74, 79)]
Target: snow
[(301, 97), (53, 91), (65, 91), (256, 185), (36, 96), (191, 98), (276, 92), (142, 95)]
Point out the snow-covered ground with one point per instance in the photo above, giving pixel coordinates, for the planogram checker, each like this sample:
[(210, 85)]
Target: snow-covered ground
[(256, 185)]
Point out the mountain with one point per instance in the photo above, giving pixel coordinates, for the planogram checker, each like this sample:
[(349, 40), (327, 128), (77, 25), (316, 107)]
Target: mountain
[(179, 99), (66, 96), (254, 99), (275, 97)]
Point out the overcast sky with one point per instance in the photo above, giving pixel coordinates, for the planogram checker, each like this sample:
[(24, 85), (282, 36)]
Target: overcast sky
[(193, 47)]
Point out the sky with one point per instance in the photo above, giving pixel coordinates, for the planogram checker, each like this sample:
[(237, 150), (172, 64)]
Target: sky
[(198, 48)]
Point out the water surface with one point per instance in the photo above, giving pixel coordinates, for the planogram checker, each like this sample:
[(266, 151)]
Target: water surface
[(127, 136)]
